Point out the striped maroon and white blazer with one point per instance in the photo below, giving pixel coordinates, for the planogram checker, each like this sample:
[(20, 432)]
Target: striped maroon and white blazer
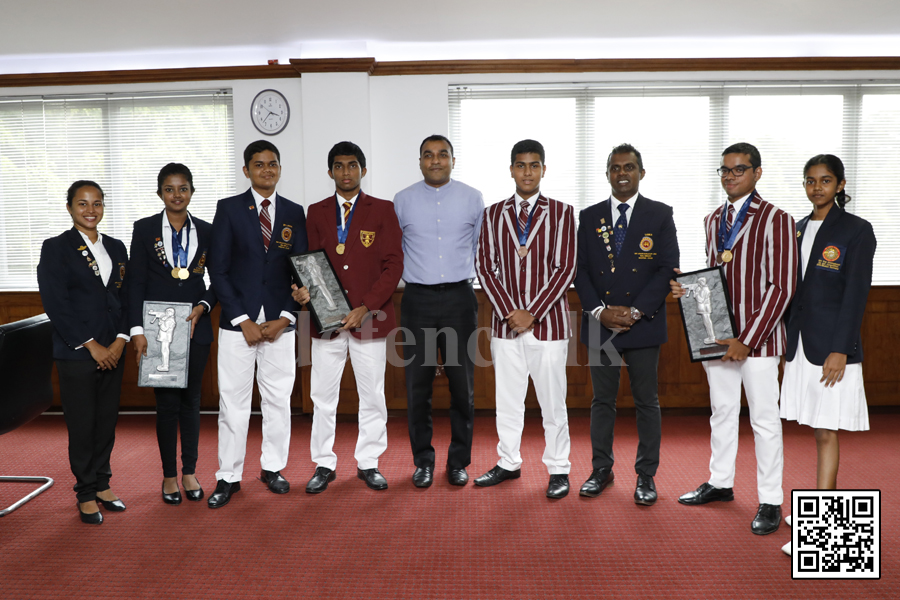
[(762, 277), (536, 283)]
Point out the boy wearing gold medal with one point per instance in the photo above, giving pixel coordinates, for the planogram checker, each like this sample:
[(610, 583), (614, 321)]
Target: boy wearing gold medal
[(755, 243)]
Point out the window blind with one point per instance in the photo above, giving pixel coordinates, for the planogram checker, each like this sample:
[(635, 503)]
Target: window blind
[(680, 130), (119, 141)]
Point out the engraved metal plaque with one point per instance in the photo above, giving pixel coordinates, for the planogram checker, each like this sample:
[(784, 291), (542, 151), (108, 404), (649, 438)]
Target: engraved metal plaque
[(168, 334)]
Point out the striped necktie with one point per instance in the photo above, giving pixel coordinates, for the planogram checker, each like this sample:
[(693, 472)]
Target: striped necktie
[(266, 222), (729, 222), (347, 206), (523, 216)]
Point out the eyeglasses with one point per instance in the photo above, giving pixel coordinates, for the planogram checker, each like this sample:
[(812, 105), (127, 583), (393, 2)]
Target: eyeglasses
[(736, 171)]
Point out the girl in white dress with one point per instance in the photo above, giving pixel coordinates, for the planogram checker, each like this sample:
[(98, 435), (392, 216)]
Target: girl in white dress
[(823, 381)]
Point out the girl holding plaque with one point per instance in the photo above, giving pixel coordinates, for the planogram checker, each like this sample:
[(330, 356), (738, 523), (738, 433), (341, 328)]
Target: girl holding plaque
[(80, 278), (169, 251), (823, 379)]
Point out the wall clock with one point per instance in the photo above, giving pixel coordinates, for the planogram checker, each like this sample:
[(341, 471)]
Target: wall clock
[(270, 112)]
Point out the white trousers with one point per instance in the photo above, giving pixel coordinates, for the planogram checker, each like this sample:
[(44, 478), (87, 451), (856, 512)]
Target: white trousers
[(514, 361), (275, 368), (760, 379), (369, 358)]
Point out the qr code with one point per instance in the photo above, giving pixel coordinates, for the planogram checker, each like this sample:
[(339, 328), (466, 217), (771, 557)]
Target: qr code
[(836, 534)]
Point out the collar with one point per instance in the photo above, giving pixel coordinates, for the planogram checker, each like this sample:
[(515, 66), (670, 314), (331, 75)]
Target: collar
[(615, 201), (88, 240), (167, 225), (341, 200), (259, 197), (531, 201), (433, 189), (738, 204)]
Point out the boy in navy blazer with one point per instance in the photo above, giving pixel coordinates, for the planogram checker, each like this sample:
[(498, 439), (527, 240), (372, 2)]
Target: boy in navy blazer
[(252, 236), (625, 259)]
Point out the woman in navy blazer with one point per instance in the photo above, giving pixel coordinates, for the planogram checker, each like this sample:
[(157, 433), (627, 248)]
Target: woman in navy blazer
[(823, 385), (160, 244), (80, 277)]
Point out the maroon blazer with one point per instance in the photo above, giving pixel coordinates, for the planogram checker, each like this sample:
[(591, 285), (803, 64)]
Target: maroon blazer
[(536, 283), (762, 277), (372, 262)]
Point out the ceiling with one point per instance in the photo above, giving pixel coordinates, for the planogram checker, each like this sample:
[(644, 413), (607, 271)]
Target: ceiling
[(66, 35)]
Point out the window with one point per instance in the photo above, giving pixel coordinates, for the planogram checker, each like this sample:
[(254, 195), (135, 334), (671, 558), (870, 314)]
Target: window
[(119, 141), (681, 130)]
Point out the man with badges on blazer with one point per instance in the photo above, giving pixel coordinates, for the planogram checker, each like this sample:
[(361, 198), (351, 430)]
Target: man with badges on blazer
[(627, 249), (361, 236), (252, 236), (526, 262), (755, 243)]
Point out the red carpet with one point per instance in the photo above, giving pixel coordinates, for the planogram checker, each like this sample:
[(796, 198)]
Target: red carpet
[(444, 542)]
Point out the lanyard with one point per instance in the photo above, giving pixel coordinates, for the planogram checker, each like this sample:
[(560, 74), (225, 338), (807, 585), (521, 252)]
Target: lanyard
[(181, 254), (343, 232), (523, 235), (723, 244)]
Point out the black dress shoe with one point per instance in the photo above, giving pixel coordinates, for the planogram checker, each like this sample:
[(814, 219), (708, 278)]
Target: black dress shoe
[(173, 498), (90, 518), (707, 493), (558, 487), (497, 475), (373, 478), (458, 477), (194, 495), (275, 482), (645, 490), (597, 482), (423, 477), (112, 505), (768, 518), (222, 495), (320, 480)]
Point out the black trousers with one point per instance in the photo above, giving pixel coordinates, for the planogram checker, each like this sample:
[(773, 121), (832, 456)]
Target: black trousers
[(439, 319), (181, 407), (90, 401), (642, 372)]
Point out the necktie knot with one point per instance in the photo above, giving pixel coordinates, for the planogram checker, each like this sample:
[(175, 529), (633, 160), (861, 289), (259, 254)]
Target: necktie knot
[(347, 206), (524, 205), (265, 203), (623, 207)]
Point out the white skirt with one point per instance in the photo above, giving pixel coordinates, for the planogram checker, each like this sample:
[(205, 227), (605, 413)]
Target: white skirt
[(805, 400)]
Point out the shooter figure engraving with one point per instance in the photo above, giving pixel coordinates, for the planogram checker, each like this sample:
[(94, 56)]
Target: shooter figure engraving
[(165, 335), (703, 297), (318, 281)]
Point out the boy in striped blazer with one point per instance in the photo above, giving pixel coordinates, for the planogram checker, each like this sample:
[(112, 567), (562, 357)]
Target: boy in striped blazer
[(526, 262), (757, 247)]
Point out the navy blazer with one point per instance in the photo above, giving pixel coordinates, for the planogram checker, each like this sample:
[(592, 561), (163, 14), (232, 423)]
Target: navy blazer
[(642, 271), (830, 302), (150, 274), (245, 276), (74, 297)]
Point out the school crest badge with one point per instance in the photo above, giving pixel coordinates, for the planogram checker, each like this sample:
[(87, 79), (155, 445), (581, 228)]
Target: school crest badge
[(831, 253), (367, 238), (646, 244), (286, 234)]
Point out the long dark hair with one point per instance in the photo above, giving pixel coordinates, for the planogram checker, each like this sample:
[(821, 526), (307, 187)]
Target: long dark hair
[(833, 164)]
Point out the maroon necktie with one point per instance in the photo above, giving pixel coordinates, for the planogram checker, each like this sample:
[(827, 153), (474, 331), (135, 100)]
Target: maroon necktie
[(729, 222), (523, 216), (265, 222)]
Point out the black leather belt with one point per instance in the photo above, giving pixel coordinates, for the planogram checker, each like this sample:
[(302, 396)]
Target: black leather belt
[(441, 286)]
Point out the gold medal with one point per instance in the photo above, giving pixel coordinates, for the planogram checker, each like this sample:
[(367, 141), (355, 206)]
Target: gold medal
[(339, 249), (522, 251), (175, 272), (727, 256), (183, 273)]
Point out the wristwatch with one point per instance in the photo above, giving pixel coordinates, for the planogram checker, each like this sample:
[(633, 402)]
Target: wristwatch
[(635, 314)]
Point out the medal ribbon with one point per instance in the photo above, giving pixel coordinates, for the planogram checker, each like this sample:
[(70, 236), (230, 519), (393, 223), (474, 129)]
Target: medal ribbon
[(343, 232), (722, 243), (181, 254), (523, 234)]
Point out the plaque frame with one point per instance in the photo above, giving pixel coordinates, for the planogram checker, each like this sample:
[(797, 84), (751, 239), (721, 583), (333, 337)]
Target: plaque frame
[(721, 315), (176, 357), (325, 318)]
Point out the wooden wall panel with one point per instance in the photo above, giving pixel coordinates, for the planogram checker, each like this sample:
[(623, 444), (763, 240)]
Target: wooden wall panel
[(681, 383)]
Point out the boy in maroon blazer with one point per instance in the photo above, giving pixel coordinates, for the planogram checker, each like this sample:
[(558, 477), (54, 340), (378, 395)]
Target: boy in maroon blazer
[(362, 238)]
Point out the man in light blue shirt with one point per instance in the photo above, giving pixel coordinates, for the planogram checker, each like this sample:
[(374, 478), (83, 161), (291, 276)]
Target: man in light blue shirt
[(440, 219)]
